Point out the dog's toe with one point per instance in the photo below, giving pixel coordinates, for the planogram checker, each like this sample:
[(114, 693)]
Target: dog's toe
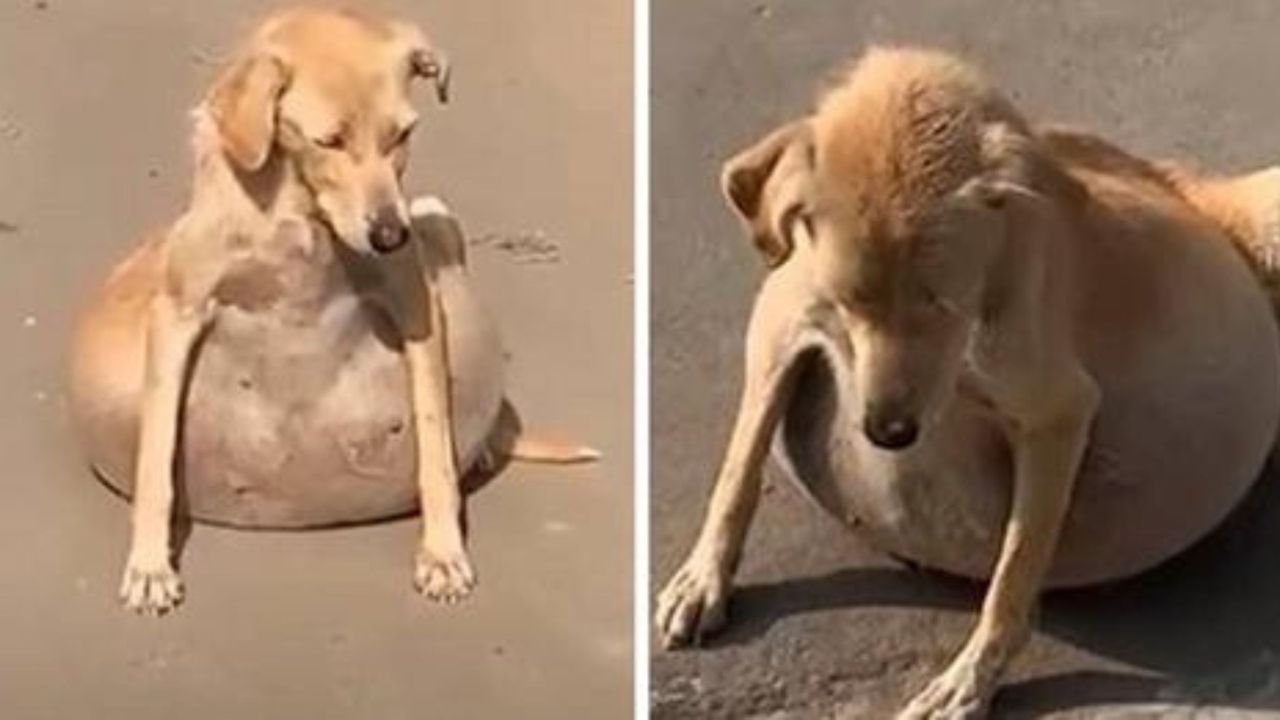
[(448, 579), (957, 694), (692, 605), (150, 588)]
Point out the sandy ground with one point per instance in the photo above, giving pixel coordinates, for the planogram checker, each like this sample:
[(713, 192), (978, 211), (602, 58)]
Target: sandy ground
[(537, 144), (823, 625)]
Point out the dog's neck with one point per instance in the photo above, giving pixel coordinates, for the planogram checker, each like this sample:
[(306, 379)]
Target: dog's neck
[(231, 203)]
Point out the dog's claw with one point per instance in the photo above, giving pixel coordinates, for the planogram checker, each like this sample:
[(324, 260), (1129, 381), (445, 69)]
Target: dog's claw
[(691, 605), (448, 579), (959, 693), (150, 588)]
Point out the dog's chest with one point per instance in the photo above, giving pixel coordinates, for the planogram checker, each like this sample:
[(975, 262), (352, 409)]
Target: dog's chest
[(292, 316), (293, 271)]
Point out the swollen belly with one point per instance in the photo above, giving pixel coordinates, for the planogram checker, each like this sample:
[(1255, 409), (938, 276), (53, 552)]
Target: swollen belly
[(1162, 469), (309, 424)]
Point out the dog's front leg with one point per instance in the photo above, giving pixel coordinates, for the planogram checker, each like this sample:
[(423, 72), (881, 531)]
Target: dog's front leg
[(151, 584), (693, 602), (443, 571), (1048, 446)]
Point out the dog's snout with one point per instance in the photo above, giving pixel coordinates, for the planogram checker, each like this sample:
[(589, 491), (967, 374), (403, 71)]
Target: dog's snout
[(387, 232), (890, 430)]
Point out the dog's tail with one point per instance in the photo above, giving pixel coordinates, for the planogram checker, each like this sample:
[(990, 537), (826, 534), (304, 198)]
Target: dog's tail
[(551, 452), (1247, 207), (509, 441)]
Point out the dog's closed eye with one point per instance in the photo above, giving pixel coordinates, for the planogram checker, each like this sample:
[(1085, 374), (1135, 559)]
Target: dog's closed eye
[(400, 137), (335, 140)]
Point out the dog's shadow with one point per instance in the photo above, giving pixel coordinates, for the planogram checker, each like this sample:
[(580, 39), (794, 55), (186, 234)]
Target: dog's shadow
[(1208, 621)]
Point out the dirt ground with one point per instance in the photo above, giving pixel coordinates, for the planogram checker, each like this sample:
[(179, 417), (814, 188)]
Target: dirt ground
[(94, 100), (822, 625)]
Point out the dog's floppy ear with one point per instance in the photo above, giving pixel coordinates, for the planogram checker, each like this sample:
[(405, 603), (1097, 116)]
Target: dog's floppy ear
[(1022, 181), (1016, 166), (765, 184), (425, 60), (429, 63), (243, 105)]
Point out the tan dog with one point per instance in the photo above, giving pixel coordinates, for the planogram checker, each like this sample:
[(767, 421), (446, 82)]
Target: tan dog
[(270, 327), (992, 346)]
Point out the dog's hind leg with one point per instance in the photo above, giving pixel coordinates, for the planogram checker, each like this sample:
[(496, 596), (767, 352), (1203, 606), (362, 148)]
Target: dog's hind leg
[(694, 600)]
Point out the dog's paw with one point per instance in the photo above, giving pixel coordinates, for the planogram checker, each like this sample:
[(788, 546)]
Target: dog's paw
[(428, 205), (692, 604), (150, 587), (959, 693), (444, 577)]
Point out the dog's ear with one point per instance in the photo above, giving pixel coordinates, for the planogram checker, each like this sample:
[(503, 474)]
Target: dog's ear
[(766, 183), (430, 63), (1016, 166), (424, 60), (243, 105), (1029, 188)]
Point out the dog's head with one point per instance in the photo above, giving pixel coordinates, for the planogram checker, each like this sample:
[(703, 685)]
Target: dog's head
[(901, 191), (328, 94)]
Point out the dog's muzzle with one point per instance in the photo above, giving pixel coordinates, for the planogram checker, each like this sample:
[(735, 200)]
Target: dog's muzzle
[(387, 232)]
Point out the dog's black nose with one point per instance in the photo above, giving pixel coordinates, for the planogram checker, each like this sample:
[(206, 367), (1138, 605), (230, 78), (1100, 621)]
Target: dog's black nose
[(891, 432), (387, 233)]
